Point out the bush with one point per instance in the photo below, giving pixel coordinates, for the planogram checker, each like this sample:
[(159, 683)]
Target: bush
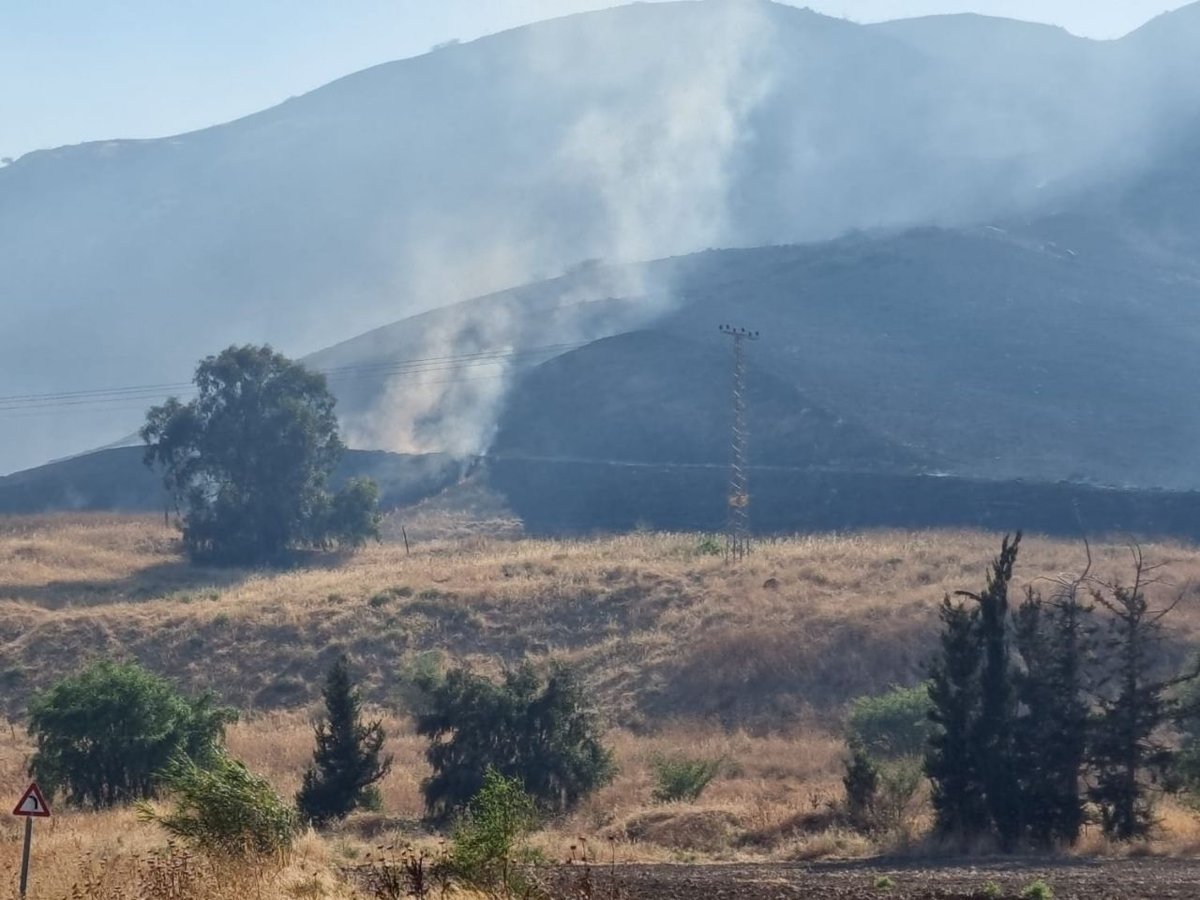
[(1184, 774), (104, 736), (1037, 890), (892, 724), (540, 732), (899, 782), (682, 778), (879, 795), (861, 783), (489, 839), (224, 809), (352, 516)]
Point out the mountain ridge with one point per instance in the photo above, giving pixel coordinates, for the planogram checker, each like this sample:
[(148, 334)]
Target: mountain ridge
[(510, 159)]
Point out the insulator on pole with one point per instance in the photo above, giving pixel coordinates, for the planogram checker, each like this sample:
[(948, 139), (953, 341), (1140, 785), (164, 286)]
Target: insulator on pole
[(737, 529)]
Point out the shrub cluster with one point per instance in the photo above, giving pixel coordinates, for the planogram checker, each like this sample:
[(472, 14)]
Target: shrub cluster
[(223, 808), (541, 732), (682, 778), (502, 753), (104, 736)]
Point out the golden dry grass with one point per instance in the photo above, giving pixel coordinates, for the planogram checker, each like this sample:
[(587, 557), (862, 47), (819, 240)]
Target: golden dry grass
[(685, 652), (661, 630), (765, 785)]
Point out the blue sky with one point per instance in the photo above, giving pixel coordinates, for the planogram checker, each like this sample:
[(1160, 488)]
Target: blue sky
[(77, 70)]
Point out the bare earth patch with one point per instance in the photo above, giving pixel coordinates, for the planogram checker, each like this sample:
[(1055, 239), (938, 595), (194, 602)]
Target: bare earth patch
[(869, 880)]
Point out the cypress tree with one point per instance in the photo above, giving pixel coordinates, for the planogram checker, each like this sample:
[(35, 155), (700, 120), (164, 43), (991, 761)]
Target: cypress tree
[(1051, 735), (347, 760), (1134, 704), (992, 736), (950, 764)]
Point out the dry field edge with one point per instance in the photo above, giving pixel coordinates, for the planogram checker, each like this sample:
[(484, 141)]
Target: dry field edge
[(749, 663), (1069, 879)]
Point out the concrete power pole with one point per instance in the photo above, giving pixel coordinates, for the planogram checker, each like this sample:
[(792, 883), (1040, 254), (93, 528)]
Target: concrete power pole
[(737, 528)]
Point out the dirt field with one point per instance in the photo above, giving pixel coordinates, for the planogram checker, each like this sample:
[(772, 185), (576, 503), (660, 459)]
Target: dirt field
[(1141, 879)]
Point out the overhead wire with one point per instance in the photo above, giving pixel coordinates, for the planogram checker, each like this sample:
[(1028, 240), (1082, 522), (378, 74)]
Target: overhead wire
[(389, 369)]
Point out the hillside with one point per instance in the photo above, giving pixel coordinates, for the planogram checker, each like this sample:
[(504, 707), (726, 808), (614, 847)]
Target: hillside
[(510, 159), (662, 630), (686, 656), (1042, 349), (651, 397), (116, 480)]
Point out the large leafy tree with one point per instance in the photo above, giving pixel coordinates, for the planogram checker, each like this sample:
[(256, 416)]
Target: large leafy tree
[(247, 462), (540, 731), (348, 759), (106, 735)]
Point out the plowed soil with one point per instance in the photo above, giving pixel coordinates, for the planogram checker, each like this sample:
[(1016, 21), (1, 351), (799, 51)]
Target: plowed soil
[(1143, 879)]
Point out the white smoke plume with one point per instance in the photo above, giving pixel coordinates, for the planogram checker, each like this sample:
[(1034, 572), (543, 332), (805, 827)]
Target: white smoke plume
[(650, 179)]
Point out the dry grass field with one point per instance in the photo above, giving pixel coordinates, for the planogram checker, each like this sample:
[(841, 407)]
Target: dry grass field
[(662, 629), (751, 663)]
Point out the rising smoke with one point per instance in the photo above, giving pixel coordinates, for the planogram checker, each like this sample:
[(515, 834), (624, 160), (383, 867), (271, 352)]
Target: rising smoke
[(629, 134), (648, 179)]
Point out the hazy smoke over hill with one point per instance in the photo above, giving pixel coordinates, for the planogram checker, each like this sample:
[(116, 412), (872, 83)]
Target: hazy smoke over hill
[(649, 178), (638, 132)]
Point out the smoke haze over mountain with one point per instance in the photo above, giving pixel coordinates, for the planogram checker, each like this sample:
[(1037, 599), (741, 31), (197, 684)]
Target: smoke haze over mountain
[(635, 133)]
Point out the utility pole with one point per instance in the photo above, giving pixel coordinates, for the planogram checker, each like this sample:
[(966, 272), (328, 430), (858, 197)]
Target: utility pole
[(737, 528)]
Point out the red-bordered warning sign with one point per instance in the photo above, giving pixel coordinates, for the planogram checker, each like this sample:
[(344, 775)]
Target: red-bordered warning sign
[(32, 803)]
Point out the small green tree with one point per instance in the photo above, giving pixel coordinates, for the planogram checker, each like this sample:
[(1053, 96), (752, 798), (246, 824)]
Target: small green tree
[(489, 839), (682, 777), (895, 723), (104, 736), (541, 732), (347, 760), (223, 808), (351, 516), (880, 794), (248, 460)]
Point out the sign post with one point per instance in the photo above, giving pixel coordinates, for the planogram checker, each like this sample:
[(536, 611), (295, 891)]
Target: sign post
[(32, 805)]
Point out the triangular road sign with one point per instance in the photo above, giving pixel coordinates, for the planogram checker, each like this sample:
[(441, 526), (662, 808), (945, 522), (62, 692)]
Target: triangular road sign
[(32, 803)]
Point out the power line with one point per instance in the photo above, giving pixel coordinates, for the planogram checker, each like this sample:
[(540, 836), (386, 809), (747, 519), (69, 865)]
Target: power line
[(35, 412), (385, 369)]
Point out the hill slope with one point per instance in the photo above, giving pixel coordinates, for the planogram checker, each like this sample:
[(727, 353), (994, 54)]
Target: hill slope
[(662, 629), (116, 480), (633, 133), (1048, 349)]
